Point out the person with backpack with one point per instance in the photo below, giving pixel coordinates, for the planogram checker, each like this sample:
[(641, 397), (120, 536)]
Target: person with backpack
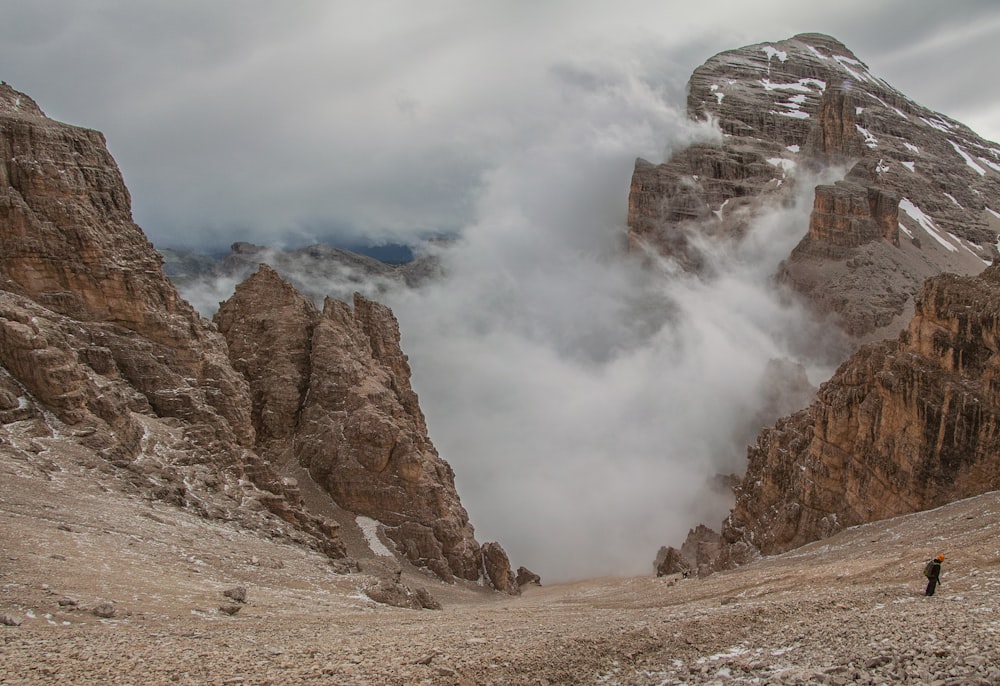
[(932, 570)]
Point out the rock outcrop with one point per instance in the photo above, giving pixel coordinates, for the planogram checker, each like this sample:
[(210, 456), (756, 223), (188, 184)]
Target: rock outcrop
[(93, 332), (97, 348), (498, 571), (331, 391), (904, 425), (917, 200)]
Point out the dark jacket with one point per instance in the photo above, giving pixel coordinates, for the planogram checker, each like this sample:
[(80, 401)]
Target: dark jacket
[(934, 570)]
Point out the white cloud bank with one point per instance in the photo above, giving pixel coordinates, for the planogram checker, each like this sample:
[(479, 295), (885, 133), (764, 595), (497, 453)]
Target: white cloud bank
[(587, 404)]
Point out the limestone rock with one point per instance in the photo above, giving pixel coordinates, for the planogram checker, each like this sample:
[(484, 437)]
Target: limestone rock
[(105, 610), (904, 425), (332, 391), (497, 568), (701, 549), (96, 344), (670, 561), (525, 577), (915, 203), (238, 594)]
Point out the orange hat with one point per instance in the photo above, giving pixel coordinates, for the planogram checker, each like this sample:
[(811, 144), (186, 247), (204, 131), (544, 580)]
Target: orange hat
[(940, 558)]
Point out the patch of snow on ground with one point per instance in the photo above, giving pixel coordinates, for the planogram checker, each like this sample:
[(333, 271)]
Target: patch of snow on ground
[(909, 165), (780, 162), (793, 148), (993, 212), (771, 52), (732, 652), (796, 114), (802, 85), (906, 231), (912, 148), (369, 527), (870, 140), (858, 110), (844, 61), (938, 124), (952, 198), (882, 167), (926, 223), (973, 248), (890, 107), (797, 99), (968, 160), (798, 86), (817, 53), (718, 212), (992, 165)]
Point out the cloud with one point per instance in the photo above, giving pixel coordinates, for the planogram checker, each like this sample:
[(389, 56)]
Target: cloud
[(377, 121), (587, 404), (583, 402)]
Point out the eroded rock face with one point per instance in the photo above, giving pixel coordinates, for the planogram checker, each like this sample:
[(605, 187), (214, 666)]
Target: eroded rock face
[(916, 201), (498, 571), (903, 426), (97, 348), (92, 332), (332, 391), (70, 245)]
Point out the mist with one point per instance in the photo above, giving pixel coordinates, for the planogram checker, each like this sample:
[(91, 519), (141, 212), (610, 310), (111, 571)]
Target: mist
[(588, 403), (588, 399)]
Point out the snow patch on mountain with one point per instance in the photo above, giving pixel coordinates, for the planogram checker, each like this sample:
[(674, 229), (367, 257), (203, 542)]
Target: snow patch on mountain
[(968, 159), (926, 223)]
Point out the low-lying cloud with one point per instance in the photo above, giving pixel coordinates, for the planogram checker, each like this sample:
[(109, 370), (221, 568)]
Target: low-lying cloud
[(588, 399), (586, 403)]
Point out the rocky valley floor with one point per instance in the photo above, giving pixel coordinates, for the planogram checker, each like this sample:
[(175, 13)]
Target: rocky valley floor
[(846, 610)]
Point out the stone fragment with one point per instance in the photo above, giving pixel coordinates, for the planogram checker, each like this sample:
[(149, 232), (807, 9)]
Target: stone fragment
[(105, 610), (525, 576), (497, 568), (237, 594)]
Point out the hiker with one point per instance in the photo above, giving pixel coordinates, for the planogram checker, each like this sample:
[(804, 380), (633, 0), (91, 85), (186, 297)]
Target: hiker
[(933, 573)]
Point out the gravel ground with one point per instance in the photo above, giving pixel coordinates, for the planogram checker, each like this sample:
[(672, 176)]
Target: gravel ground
[(846, 610)]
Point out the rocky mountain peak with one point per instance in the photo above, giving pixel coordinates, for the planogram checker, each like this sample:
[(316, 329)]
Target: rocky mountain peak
[(331, 392), (283, 417), (15, 103), (790, 108)]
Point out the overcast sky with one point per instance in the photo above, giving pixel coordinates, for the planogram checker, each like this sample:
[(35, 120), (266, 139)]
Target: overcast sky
[(376, 120), (585, 405)]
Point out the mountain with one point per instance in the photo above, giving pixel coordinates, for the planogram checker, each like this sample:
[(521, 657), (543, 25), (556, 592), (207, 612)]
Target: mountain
[(919, 193), (896, 247), (100, 357), (331, 392), (904, 425), (317, 271)]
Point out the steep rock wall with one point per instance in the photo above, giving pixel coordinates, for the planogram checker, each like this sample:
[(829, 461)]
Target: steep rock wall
[(903, 426), (332, 391), (789, 109)]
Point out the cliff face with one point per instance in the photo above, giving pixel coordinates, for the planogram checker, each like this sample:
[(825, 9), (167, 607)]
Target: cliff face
[(69, 244), (97, 349), (903, 426), (332, 392), (915, 203)]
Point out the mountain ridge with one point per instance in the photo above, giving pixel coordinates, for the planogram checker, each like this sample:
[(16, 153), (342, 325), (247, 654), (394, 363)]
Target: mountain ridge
[(100, 350), (877, 259)]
